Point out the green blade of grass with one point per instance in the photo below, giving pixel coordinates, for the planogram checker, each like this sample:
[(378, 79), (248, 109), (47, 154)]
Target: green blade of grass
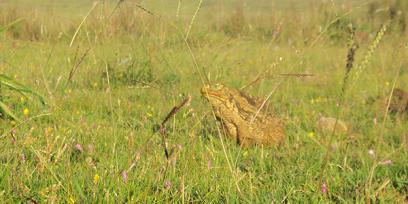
[(4, 28), (8, 112), (15, 86)]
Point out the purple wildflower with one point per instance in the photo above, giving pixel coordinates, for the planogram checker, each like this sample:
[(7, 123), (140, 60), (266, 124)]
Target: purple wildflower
[(167, 184)]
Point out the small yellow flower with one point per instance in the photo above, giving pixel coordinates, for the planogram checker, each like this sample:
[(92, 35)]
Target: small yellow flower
[(13, 122), (245, 154), (26, 111), (48, 130), (71, 200), (96, 179), (311, 134), (387, 83), (95, 85)]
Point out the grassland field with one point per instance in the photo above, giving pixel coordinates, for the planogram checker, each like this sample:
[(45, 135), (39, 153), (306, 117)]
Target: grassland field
[(111, 72)]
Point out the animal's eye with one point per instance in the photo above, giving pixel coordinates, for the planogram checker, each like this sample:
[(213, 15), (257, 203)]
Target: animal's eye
[(218, 86), (207, 86)]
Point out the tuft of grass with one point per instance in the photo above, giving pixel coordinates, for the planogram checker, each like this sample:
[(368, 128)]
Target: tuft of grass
[(11, 84)]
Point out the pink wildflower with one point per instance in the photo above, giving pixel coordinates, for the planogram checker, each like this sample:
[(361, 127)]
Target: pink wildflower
[(386, 162), (324, 188), (124, 176), (79, 148)]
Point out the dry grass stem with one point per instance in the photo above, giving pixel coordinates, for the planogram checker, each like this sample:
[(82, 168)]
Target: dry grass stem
[(171, 114)]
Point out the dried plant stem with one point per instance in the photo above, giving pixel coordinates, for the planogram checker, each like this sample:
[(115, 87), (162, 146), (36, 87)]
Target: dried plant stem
[(47, 87), (116, 7), (349, 65), (224, 149), (178, 8), (381, 136), (363, 5), (76, 66), (297, 75), (264, 102), (264, 75), (367, 57), (193, 19), (201, 73), (82, 22), (163, 132), (44, 162), (137, 154), (203, 79)]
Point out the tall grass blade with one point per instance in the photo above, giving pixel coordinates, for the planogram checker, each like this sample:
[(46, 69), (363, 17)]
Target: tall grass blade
[(6, 27), (19, 88), (6, 111)]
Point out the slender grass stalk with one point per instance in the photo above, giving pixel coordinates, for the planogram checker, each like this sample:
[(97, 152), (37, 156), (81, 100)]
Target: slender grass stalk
[(381, 135), (193, 19), (13, 85), (82, 22), (367, 57), (349, 65), (116, 7), (6, 27), (178, 8)]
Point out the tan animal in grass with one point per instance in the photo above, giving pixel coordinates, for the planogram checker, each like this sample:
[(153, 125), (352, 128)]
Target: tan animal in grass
[(243, 118)]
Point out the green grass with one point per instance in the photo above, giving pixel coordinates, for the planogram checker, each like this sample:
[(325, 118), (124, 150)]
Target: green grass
[(151, 70)]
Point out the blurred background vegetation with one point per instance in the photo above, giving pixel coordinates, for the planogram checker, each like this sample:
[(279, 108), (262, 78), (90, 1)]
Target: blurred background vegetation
[(279, 20)]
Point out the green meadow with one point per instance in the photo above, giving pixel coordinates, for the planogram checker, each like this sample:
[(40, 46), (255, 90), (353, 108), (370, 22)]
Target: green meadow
[(86, 84)]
